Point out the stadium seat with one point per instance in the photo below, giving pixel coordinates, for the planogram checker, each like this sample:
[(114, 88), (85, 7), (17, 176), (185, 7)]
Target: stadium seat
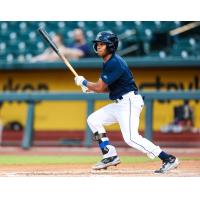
[(28, 56), (3, 50), (159, 54), (23, 26), (32, 36), (99, 26), (118, 27), (89, 35), (180, 51), (61, 27), (40, 46), (9, 58), (21, 47), (20, 58), (13, 41), (2, 47), (4, 28), (20, 40)]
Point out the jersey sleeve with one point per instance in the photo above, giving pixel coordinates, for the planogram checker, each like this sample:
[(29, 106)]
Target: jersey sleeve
[(111, 72)]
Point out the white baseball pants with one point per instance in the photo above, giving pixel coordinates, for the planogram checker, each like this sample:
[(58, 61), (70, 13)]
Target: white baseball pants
[(127, 113)]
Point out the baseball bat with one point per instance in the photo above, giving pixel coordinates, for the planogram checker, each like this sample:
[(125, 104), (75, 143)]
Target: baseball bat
[(47, 38)]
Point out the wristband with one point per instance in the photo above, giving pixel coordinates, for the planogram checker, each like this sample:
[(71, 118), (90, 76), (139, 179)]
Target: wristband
[(85, 83)]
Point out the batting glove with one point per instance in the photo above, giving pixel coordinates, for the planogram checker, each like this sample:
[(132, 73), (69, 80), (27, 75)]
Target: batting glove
[(84, 89), (80, 81)]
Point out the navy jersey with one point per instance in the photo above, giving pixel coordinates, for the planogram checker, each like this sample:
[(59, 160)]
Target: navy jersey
[(118, 77)]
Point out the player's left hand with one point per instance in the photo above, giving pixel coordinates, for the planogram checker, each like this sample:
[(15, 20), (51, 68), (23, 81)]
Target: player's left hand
[(79, 80), (84, 89)]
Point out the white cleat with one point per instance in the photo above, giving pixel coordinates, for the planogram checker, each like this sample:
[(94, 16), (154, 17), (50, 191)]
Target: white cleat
[(168, 165), (107, 162)]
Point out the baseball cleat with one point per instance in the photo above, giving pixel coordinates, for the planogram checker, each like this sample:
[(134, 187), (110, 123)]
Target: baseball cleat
[(168, 165), (107, 162)]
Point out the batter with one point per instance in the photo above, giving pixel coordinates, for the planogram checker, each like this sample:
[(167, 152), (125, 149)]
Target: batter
[(117, 79)]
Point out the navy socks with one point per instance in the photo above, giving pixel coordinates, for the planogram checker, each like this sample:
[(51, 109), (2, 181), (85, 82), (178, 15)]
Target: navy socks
[(164, 156)]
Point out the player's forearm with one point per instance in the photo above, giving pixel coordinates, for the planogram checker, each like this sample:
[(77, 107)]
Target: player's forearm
[(98, 86), (95, 87)]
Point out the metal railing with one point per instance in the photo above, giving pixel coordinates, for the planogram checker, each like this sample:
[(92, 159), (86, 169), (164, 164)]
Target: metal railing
[(33, 97), (96, 63)]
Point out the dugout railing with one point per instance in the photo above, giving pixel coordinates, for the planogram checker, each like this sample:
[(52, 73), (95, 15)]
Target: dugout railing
[(32, 98)]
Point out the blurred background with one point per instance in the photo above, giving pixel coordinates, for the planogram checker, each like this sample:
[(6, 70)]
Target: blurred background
[(163, 56)]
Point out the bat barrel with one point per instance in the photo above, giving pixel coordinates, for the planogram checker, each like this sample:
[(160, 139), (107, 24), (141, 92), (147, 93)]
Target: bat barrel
[(47, 38)]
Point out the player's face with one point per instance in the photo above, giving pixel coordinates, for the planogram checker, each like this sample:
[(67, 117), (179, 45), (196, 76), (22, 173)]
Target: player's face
[(101, 49)]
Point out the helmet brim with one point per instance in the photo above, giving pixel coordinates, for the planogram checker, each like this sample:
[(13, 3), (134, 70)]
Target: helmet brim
[(95, 41), (106, 42)]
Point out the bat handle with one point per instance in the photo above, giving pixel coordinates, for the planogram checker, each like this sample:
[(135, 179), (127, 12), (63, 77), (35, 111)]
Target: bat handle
[(74, 72), (69, 65)]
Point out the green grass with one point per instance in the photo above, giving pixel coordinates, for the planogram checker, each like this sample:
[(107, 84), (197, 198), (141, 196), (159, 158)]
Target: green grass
[(16, 160), (10, 159)]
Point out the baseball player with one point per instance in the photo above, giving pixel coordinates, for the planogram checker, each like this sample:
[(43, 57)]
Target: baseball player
[(117, 79)]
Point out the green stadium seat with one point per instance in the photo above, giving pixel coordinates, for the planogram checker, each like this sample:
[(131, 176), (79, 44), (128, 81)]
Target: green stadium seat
[(192, 42), (99, 26), (23, 26), (149, 25), (3, 25), (81, 24), (40, 46), (3, 50), (20, 58), (160, 54), (68, 38), (32, 26), (21, 47), (52, 25), (3, 55), (13, 38), (180, 51), (90, 35), (118, 28), (32, 36), (2, 47), (20, 40), (13, 47), (32, 49), (9, 58), (70, 25), (61, 27), (4, 32), (28, 56)]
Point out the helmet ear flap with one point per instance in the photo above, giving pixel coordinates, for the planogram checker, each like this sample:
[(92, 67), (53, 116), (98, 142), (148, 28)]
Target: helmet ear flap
[(110, 48), (114, 43), (95, 47)]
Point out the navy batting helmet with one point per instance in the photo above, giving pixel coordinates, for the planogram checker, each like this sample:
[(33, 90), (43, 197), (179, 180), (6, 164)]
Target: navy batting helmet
[(109, 38)]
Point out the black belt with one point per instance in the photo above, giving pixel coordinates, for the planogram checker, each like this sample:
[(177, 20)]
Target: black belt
[(121, 97), (136, 92)]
